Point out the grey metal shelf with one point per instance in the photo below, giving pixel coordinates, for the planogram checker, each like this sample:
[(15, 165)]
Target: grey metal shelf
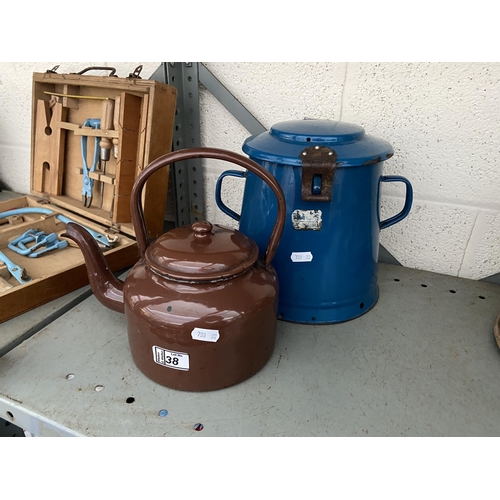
[(422, 362)]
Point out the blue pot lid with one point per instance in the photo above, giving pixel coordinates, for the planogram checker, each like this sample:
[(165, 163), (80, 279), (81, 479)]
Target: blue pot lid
[(284, 142)]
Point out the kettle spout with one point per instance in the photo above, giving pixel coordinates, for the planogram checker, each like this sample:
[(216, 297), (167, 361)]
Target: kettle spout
[(107, 288)]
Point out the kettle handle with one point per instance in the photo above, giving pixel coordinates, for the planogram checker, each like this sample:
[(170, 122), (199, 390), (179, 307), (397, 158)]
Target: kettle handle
[(216, 154)]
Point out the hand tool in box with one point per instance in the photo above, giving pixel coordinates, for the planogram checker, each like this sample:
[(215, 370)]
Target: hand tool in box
[(18, 245), (88, 183), (18, 272), (106, 240), (108, 107), (43, 243)]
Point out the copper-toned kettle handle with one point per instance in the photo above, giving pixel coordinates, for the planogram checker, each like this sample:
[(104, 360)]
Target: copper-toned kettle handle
[(216, 154)]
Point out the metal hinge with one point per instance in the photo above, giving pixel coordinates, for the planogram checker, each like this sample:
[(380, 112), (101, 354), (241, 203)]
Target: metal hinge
[(318, 170)]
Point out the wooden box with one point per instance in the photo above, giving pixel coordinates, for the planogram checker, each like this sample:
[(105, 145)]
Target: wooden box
[(135, 119)]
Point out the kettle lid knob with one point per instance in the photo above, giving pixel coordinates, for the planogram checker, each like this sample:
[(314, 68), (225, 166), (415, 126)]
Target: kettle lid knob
[(201, 252), (202, 229)]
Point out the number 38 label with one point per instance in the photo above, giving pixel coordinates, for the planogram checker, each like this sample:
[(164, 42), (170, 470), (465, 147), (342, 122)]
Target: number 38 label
[(176, 360)]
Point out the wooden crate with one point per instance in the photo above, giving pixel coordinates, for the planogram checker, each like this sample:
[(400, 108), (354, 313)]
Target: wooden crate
[(138, 117)]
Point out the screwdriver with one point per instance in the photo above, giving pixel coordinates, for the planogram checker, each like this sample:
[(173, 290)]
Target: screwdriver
[(107, 112)]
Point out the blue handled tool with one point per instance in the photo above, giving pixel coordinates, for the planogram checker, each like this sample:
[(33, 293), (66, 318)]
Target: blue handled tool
[(88, 183), (43, 243), (18, 272), (106, 240), (47, 243), (19, 244)]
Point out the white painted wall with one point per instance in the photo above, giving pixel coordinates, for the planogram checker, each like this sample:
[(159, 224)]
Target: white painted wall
[(442, 120)]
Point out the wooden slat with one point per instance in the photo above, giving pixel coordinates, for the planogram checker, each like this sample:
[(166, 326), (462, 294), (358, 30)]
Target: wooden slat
[(143, 136), (4, 272), (92, 132), (118, 84), (41, 145), (57, 142), (49, 144), (130, 113), (68, 126), (162, 114), (68, 102), (5, 285), (106, 178), (93, 213)]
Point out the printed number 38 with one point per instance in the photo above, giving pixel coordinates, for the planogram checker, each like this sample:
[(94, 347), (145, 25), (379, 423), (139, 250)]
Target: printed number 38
[(171, 361)]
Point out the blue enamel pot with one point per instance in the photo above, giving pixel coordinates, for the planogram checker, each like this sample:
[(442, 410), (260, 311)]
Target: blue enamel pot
[(331, 176)]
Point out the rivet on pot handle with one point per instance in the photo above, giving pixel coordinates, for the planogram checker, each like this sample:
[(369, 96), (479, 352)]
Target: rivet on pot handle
[(216, 154), (408, 201)]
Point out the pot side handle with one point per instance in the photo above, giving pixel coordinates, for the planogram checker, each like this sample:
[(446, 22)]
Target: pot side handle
[(216, 154), (408, 200), (218, 192)]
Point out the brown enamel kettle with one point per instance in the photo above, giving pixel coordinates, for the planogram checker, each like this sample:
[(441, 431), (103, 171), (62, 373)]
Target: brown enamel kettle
[(200, 304)]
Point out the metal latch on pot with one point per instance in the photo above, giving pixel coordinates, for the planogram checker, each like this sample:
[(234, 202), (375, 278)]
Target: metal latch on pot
[(318, 169)]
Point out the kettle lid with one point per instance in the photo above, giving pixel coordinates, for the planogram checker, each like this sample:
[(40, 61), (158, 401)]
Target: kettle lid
[(202, 252), (285, 141)]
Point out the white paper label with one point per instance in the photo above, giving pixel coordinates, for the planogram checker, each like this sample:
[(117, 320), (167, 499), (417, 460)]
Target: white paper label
[(301, 256), (205, 334), (304, 220), (171, 359)]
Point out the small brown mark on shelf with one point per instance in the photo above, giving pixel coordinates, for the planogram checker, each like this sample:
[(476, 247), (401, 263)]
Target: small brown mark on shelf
[(12, 399)]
